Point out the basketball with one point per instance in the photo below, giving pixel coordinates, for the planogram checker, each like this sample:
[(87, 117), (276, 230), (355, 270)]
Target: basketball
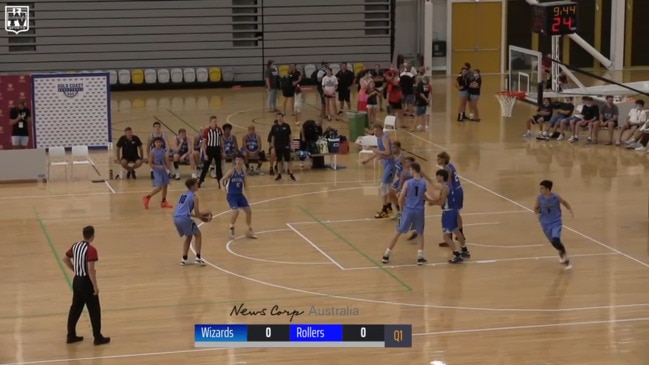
[(433, 194), (206, 216)]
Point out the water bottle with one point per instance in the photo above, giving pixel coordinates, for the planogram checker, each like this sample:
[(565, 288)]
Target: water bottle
[(110, 174)]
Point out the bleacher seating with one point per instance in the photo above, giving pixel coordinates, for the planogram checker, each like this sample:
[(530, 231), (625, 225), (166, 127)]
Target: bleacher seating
[(202, 75), (124, 77), (137, 77), (176, 75), (163, 76), (189, 75), (150, 76)]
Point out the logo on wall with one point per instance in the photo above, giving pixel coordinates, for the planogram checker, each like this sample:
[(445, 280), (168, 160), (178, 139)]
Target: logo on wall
[(16, 19), (70, 90)]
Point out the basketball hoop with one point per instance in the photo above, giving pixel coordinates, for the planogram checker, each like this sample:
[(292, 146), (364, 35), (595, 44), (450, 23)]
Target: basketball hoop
[(507, 99)]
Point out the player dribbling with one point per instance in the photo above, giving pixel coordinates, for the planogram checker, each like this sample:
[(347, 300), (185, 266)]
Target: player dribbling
[(184, 223), (450, 212), (548, 209), (234, 182)]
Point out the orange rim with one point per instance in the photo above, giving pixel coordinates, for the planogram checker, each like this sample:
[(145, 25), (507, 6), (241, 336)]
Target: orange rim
[(516, 94)]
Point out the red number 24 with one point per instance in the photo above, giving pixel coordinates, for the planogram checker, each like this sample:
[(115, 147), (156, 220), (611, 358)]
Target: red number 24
[(558, 21)]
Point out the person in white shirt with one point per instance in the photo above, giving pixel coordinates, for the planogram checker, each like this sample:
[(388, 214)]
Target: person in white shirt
[(329, 88), (636, 119)]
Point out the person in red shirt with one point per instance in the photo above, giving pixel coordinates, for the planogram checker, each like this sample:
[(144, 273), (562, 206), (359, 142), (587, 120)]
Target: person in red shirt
[(81, 259), (394, 97)]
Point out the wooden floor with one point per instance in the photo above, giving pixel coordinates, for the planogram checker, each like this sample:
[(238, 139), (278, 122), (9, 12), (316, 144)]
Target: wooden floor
[(319, 246)]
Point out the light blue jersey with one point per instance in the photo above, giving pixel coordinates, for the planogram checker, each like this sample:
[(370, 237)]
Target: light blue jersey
[(159, 156), (550, 209), (388, 162), (185, 205), (415, 194)]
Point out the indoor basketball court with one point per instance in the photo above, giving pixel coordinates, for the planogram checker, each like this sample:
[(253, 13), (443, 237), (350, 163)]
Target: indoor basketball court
[(319, 250)]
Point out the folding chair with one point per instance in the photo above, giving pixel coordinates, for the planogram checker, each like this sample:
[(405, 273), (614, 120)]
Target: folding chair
[(56, 157)]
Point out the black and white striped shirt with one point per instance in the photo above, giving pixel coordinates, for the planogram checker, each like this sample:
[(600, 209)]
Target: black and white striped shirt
[(81, 253), (212, 137)]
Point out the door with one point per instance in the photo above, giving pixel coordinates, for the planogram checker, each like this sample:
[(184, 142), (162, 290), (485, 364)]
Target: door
[(477, 36)]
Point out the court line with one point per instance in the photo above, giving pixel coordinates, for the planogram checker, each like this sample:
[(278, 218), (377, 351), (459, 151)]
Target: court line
[(502, 246), (533, 326), (50, 243), (422, 334), (232, 241), (484, 188), (315, 246), (355, 248), (229, 116), (109, 187), (374, 301), (383, 220), (127, 192), (484, 261)]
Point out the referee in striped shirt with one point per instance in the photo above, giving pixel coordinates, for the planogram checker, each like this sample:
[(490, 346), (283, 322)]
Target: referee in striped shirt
[(81, 258), (211, 150)]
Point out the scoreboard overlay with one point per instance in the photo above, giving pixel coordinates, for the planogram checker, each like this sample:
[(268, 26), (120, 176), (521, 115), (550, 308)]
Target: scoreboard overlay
[(302, 335)]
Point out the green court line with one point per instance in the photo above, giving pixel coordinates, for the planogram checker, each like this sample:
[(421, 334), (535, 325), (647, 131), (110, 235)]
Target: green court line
[(355, 248), (56, 255), (163, 306)]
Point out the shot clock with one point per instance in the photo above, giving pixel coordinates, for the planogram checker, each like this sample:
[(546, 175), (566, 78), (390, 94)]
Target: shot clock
[(555, 18)]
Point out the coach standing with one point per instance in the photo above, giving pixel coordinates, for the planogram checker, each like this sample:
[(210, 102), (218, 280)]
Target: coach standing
[(211, 150), (281, 142), (81, 258)]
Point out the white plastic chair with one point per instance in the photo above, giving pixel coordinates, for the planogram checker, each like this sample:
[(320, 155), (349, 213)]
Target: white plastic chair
[(176, 75), (112, 77), (150, 76), (163, 76), (309, 70), (80, 156), (56, 157), (189, 75), (124, 77), (390, 124), (367, 143), (227, 74), (202, 74)]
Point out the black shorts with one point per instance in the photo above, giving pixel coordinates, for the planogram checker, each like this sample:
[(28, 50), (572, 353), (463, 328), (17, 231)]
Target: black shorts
[(344, 95), (546, 118), (131, 159), (283, 154), (396, 106), (288, 93)]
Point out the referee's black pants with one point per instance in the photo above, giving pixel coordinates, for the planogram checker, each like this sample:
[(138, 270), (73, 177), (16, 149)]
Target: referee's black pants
[(213, 154), (84, 295)]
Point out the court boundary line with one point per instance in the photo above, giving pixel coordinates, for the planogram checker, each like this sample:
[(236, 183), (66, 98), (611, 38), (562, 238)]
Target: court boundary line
[(312, 244), (242, 256), (486, 189), (484, 261), (420, 334), (383, 220)]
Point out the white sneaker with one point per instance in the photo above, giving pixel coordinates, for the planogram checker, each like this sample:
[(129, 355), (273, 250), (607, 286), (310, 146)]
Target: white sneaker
[(194, 176), (231, 233), (251, 234), (560, 138), (198, 261), (184, 262), (177, 175), (641, 149), (573, 139)]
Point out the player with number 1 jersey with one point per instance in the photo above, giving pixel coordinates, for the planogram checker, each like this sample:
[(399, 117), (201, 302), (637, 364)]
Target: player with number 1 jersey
[(234, 182)]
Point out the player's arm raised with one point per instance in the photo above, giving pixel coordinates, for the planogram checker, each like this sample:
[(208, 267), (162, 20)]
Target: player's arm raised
[(566, 204)]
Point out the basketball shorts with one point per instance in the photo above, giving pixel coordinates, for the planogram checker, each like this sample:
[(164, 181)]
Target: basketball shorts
[(552, 230), (237, 201), (185, 226), (449, 221), (160, 178), (412, 219), (22, 141)]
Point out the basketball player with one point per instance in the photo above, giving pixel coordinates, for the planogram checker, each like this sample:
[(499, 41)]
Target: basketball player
[(157, 133), (450, 220), (184, 223), (229, 143), (234, 182), (385, 153), (158, 161), (182, 154), (413, 200), (252, 151), (548, 209), (444, 160)]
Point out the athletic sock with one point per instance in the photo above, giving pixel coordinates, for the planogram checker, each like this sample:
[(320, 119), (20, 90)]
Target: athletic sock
[(420, 254), (389, 205), (184, 257), (465, 249), (176, 165), (398, 207), (457, 253), (198, 256), (387, 252)]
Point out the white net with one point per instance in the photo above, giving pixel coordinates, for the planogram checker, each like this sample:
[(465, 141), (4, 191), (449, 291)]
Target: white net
[(507, 102)]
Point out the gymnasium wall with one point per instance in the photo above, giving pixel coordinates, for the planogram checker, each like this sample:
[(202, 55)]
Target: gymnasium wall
[(242, 34)]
